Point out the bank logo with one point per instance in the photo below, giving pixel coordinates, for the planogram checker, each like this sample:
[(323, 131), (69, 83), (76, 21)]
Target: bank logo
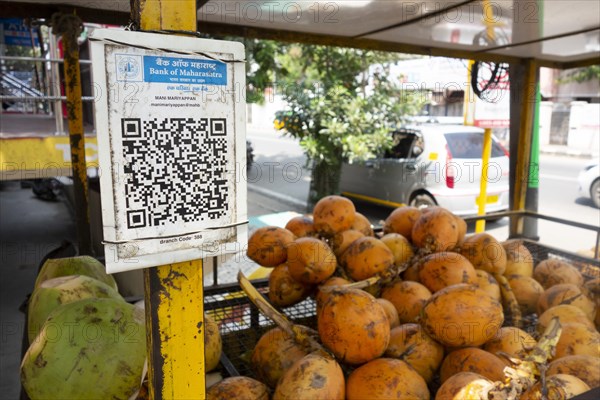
[(129, 68)]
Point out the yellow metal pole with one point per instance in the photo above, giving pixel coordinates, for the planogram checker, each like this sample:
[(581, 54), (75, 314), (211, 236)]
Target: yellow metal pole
[(69, 26), (488, 19), (174, 301), (468, 111), (485, 159), (527, 96), (154, 15), (174, 296)]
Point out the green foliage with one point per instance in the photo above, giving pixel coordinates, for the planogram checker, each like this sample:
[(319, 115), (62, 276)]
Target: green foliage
[(580, 75), (336, 109), (260, 68), (261, 64)]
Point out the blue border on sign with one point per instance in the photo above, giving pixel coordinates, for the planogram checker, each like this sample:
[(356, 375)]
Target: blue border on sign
[(184, 70)]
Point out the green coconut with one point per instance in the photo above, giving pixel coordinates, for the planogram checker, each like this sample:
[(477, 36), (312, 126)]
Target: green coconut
[(82, 265), (89, 349), (55, 292)]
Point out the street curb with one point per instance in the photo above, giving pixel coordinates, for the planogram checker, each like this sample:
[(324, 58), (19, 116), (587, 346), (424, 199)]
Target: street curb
[(284, 198), (568, 153)]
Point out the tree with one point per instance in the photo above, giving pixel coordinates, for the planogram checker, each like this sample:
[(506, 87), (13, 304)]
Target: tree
[(260, 67), (338, 110), (580, 75)]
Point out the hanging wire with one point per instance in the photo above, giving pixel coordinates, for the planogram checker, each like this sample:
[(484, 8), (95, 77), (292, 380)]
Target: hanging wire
[(489, 79)]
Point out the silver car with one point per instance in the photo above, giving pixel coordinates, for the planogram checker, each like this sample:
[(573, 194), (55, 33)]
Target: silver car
[(589, 181), (432, 165)]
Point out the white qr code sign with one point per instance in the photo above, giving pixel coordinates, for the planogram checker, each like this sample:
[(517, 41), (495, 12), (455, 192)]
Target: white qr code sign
[(170, 121)]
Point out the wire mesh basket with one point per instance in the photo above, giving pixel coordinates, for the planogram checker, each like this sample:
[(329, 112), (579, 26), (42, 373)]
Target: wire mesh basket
[(589, 268), (242, 325)]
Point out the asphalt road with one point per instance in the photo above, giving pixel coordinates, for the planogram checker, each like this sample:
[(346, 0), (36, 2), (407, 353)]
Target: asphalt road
[(279, 172), (559, 196), (558, 187), (279, 167)]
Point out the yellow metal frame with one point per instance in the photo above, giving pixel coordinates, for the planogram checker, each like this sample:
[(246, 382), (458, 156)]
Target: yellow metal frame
[(527, 97), (468, 112), (86, 11), (174, 303), (485, 161), (41, 157), (167, 15), (69, 26), (174, 294)]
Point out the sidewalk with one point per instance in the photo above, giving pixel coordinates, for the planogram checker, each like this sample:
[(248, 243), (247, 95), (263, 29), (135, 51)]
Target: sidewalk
[(563, 150)]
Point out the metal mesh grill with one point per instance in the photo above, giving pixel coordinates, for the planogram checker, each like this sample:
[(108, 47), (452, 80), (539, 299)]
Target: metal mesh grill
[(590, 269), (241, 324)]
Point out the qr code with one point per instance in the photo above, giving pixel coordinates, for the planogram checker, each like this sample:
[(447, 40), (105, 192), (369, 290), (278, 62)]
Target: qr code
[(175, 170)]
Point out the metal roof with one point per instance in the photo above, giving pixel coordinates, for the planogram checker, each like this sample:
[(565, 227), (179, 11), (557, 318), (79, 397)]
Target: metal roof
[(558, 33)]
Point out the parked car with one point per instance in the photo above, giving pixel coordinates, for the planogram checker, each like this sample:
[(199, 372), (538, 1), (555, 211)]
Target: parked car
[(589, 181), (432, 164)]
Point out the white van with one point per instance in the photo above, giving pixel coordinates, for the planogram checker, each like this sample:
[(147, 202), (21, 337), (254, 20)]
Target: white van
[(429, 165)]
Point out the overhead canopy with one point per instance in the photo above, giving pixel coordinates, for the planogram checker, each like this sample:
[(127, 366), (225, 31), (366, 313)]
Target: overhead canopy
[(558, 33)]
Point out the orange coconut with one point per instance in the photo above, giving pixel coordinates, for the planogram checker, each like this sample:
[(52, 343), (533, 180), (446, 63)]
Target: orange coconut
[(401, 221), (273, 354), (518, 258), (267, 246), (333, 214), (489, 284), (553, 272), (462, 315), (366, 257), (472, 359), (238, 387), (390, 311), (362, 224), (510, 340), (436, 230), (484, 252), (341, 240), (314, 376), (445, 268), (386, 378), (408, 297), (399, 246), (353, 326), (410, 343), (566, 293), (284, 290), (310, 260), (301, 226)]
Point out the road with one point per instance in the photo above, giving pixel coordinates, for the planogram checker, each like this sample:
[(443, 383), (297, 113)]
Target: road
[(280, 171), (558, 186), (280, 167), (559, 197)]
